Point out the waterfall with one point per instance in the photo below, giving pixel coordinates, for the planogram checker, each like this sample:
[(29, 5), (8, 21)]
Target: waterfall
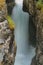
[(25, 51)]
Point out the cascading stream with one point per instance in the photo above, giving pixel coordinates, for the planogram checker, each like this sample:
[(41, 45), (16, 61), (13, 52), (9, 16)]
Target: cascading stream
[(25, 51)]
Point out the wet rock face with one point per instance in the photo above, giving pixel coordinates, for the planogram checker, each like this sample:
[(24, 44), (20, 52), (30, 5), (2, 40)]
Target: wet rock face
[(7, 44), (39, 50), (28, 6), (25, 6), (37, 15), (10, 5)]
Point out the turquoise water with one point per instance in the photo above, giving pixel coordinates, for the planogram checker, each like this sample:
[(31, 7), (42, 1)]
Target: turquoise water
[(25, 51)]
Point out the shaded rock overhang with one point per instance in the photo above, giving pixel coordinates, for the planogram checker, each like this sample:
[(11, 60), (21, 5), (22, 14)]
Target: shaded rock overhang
[(10, 5)]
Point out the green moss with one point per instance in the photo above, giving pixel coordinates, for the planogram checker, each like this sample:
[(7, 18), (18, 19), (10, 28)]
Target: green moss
[(10, 22), (39, 4)]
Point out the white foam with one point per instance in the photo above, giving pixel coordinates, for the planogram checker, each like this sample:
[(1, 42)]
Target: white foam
[(20, 2)]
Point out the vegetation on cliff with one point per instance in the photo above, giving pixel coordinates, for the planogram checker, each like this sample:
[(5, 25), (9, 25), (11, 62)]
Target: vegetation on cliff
[(11, 23), (39, 4)]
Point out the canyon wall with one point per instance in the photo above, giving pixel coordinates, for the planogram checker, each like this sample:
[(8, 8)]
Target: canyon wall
[(36, 11)]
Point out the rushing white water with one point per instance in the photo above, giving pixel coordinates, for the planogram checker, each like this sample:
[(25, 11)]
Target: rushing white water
[(25, 51), (20, 2)]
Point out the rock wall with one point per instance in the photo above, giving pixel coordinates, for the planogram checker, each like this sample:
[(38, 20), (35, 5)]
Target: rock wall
[(29, 6), (7, 44), (37, 14), (7, 38), (10, 5)]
